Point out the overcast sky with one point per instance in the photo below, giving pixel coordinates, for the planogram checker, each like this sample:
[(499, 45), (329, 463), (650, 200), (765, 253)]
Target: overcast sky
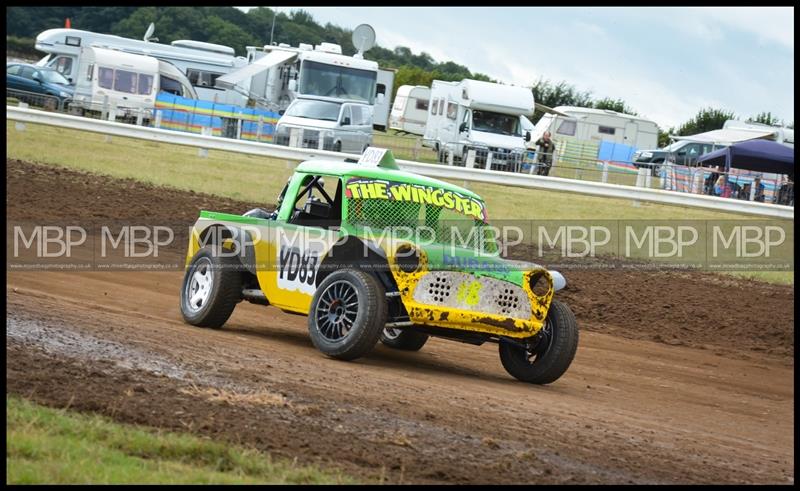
[(666, 63)]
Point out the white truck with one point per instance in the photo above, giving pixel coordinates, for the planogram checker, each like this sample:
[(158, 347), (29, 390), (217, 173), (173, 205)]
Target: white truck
[(587, 124), (125, 83), (476, 123), (325, 125), (410, 109)]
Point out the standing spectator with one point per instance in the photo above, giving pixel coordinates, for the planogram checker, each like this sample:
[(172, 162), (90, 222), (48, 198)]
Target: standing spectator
[(759, 190), (545, 148)]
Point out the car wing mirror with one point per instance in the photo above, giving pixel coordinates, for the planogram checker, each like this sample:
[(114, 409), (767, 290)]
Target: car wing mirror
[(346, 121), (281, 112), (527, 136), (462, 128)]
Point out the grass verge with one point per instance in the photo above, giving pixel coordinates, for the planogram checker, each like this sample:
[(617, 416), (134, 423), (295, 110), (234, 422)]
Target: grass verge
[(45, 445)]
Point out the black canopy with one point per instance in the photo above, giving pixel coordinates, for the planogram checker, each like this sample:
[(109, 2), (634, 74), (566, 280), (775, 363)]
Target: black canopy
[(756, 155)]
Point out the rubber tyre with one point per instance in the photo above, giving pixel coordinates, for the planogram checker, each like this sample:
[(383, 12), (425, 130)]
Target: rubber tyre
[(552, 364), (369, 321), (225, 289), (406, 340)]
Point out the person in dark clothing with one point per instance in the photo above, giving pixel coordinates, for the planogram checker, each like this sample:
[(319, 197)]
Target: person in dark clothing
[(759, 192), (545, 148)]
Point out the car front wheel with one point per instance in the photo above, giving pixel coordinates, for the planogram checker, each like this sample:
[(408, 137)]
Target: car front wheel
[(548, 358), (348, 314)]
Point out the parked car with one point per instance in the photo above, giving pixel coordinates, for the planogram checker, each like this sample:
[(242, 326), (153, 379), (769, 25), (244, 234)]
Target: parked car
[(325, 125), (38, 80), (681, 152), (651, 159)]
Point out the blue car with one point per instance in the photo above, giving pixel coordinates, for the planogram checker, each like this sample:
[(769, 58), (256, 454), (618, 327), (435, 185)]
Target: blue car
[(39, 80)]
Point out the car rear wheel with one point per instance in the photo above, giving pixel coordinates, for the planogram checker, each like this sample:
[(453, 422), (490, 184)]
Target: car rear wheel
[(403, 339), (212, 286), (549, 357), (348, 314)]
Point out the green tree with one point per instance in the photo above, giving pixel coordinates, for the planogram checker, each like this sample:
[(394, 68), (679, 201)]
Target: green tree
[(412, 75), (617, 105), (558, 94), (663, 137), (764, 118), (705, 120)]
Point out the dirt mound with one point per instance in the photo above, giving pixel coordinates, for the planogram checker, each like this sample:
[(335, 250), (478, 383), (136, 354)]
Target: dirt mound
[(44, 192)]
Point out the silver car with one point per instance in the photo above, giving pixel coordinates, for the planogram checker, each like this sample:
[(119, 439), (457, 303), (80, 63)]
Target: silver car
[(325, 125)]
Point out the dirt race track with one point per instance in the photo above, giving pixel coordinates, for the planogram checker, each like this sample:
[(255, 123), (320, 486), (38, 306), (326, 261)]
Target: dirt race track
[(666, 387)]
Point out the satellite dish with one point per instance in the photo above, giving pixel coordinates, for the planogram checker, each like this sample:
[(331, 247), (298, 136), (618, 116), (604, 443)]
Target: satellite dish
[(150, 29), (363, 37)]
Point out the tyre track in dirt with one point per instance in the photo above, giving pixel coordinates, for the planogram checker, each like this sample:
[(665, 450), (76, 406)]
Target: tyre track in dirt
[(628, 410)]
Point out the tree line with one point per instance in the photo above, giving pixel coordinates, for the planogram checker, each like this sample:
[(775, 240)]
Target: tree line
[(232, 27)]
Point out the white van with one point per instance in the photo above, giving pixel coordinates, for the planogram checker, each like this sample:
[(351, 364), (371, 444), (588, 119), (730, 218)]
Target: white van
[(478, 120), (125, 82), (325, 125), (587, 124), (410, 110)]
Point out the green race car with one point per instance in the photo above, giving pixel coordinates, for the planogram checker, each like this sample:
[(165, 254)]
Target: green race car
[(369, 252)]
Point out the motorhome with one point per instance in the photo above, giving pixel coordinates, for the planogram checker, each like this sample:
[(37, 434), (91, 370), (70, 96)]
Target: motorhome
[(200, 62), (588, 124), (276, 75), (410, 109), (126, 83), (478, 123)]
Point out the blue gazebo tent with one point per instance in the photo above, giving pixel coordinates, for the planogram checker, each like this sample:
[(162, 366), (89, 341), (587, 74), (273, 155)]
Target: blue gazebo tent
[(755, 155)]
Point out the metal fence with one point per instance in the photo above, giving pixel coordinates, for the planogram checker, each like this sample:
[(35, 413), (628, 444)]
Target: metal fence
[(571, 160), (43, 101)]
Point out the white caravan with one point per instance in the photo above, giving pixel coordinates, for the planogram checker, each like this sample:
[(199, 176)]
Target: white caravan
[(124, 82), (587, 124), (410, 110), (200, 62), (478, 119)]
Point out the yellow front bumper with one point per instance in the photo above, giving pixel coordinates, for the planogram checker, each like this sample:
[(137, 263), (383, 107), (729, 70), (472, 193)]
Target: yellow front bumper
[(473, 303)]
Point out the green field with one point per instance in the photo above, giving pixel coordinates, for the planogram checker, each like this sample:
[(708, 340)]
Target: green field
[(259, 180), (45, 445)]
